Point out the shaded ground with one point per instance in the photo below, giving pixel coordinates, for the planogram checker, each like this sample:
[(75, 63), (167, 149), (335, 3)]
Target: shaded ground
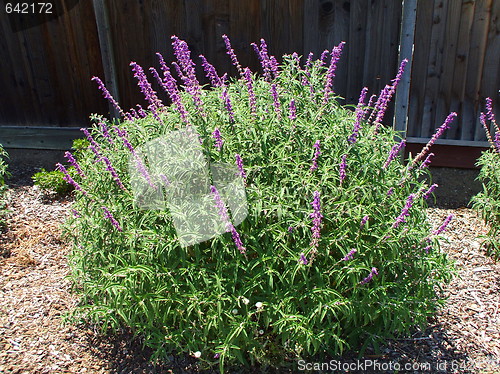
[(34, 295)]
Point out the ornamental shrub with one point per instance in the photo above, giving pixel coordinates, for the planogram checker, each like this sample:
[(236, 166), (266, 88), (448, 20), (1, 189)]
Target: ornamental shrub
[(487, 202), (335, 251)]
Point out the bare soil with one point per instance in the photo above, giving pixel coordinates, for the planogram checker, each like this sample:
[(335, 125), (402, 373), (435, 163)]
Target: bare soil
[(35, 294)]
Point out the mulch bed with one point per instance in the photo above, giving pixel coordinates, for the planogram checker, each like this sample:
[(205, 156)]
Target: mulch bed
[(35, 295)]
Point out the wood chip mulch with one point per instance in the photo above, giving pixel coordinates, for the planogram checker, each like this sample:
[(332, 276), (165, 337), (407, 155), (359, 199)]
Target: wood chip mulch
[(35, 294)]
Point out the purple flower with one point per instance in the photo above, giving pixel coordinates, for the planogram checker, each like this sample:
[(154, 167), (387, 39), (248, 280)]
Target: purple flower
[(489, 109), (303, 259), (276, 100), (387, 93), (219, 204), (317, 152), (439, 132), (210, 72), (112, 171), (342, 167), (443, 226), (390, 191), (429, 191), (316, 228), (139, 163), (186, 69), (145, 86), (169, 84), (74, 163), (141, 111), (75, 213), (394, 152), (108, 95), (323, 57), (370, 276), (68, 178), (359, 116), (350, 255), (217, 355), (330, 74), (427, 161), (227, 103), (239, 163), (293, 110), (405, 211), (218, 139), (112, 219), (290, 229), (363, 221), (105, 132), (232, 55), (308, 62), (251, 94), (428, 248), (93, 145)]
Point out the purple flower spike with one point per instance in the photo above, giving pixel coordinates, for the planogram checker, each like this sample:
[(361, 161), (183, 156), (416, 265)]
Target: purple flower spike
[(227, 103), (251, 94), (239, 163), (105, 132), (108, 95), (350, 255), (112, 219), (317, 152), (394, 152), (330, 74), (303, 259), (276, 100), (439, 132), (68, 178), (293, 110), (387, 93), (145, 86), (359, 116), (210, 72), (218, 139), (489, 109), (363, 221), (390, 191), (112, 171), (444, 225), (232, 55), (323, 57), (74, 163), (427, 161), (342, 167), (219, 204), (75, 213), (368, 279), (428, 193), (316, 228), (405, 211)]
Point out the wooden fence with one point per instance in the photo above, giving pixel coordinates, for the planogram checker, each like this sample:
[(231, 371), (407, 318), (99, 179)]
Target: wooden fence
[(456, 65), (46, 69)]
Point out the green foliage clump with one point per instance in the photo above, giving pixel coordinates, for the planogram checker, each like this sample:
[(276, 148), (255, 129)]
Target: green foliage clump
[(487, 202), (54, 180), (337, 254)]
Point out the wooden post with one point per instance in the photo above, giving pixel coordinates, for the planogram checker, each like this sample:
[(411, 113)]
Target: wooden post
[(107, 52), (405, 51)]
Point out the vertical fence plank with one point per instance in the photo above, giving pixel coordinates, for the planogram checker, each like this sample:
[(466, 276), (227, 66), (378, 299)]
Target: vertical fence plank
[(419, 69), (405, 52)]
